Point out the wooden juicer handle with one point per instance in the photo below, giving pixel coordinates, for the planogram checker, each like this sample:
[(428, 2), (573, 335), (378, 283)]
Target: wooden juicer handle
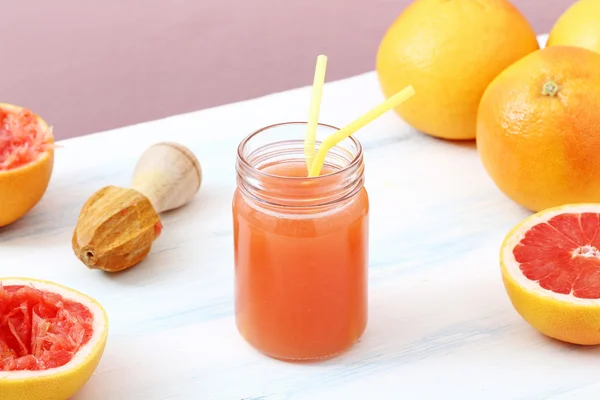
[(116, 226), (168, 174)]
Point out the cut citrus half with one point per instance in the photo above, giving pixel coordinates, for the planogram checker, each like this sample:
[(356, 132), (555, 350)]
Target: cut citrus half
[(51, 339), (26, 161), (550, 266)]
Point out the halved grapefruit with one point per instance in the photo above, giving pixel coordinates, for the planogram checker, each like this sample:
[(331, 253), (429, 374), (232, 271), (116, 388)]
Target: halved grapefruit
[(550, 266), (26, 161), (51, 339)]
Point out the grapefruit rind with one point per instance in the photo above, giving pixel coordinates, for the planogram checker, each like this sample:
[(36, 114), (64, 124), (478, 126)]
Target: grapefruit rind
[(577, 26), (64, 381), (560, 316), (24, 146), (24, 186)]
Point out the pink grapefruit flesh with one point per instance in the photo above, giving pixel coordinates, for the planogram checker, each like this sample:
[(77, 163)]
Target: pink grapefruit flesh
[(562, 254), (550, 265), (40, 330), (22, 138)]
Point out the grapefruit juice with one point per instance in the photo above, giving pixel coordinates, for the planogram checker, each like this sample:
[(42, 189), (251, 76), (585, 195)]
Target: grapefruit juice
[(300, 245)]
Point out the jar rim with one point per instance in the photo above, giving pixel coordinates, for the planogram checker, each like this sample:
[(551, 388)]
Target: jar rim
[(352, 164)]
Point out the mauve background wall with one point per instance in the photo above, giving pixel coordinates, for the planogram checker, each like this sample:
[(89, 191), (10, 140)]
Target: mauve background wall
[(88, 66)]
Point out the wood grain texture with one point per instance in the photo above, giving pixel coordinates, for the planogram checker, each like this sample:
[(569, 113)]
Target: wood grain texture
[(168, 174), (115, 229), (440, 323), (116, 226)]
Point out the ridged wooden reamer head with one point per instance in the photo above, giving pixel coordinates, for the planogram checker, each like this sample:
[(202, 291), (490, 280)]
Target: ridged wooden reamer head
[(116, 226)]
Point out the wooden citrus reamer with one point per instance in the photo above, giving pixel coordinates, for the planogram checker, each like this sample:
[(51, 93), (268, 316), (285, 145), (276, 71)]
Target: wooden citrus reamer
[(116, 226)]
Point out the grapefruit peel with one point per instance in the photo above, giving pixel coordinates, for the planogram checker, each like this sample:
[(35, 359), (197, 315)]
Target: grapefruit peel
[(24, 137), (26, 161), (567, 317), (550, 89), (61, 382)]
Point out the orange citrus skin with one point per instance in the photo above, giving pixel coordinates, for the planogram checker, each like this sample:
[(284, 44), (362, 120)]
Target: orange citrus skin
[(568, 322), (578, 26), (62, 385), (22, 188), (54, 387), (449, 51), (542, 149), (558, 319)]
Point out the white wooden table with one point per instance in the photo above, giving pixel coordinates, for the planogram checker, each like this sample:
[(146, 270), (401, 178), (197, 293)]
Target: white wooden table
[(440, 323)]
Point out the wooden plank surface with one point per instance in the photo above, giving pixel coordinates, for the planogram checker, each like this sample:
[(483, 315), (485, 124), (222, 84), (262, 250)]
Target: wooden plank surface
[(440, 323)]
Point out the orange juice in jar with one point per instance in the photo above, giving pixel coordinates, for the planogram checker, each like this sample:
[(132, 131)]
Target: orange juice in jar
[(300, 244)]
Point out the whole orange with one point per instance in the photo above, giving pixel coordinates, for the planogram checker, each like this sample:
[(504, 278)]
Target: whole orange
[(538, 128), (578, 26), (26, 161), (449, 51)]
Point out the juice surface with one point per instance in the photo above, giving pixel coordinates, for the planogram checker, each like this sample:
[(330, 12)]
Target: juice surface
[(301, 278)]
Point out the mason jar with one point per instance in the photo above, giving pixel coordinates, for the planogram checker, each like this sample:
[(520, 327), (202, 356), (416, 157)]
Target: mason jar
[(300, 244)]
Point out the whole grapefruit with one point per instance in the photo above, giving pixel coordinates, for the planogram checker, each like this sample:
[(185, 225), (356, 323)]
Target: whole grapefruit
[(449, 51), (538, 128), (578, 26), (26, 161)]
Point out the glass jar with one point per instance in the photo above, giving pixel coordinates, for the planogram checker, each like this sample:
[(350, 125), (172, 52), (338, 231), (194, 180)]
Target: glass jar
[(300, 245)]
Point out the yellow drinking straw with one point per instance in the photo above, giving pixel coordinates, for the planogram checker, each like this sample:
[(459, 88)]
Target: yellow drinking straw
[(313, 114), (333, 139)]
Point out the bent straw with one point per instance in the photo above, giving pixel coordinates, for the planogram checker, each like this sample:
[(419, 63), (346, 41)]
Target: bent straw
[(313, 114), (333, 139)]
